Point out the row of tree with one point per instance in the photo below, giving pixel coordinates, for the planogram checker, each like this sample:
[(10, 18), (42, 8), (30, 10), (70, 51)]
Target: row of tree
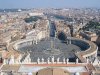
[(91, 25), (32, 18)]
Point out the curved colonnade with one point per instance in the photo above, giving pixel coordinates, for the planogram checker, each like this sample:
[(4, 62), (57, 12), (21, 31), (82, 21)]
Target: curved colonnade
[(90, 50)]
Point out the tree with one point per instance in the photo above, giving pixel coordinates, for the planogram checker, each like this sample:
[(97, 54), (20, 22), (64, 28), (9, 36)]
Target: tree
[(91, 25)]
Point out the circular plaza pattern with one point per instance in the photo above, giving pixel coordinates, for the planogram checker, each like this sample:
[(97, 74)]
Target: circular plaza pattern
[(53, 47)]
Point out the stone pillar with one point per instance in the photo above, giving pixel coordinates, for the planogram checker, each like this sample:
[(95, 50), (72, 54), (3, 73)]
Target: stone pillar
[(42, 60), (64, 61), (38, 61), (87, 60), (48, 60), (4, 61), (29, 60), (67, 60), (52, 59), (36, 41), (12, 59), (70, 42), (58, 60), (19, 58), (77, 61)]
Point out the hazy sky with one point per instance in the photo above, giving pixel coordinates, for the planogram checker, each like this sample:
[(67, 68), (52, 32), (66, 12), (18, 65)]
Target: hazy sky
[(48, 3)]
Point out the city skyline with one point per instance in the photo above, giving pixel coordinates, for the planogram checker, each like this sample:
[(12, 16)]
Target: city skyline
[(49, 3)]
